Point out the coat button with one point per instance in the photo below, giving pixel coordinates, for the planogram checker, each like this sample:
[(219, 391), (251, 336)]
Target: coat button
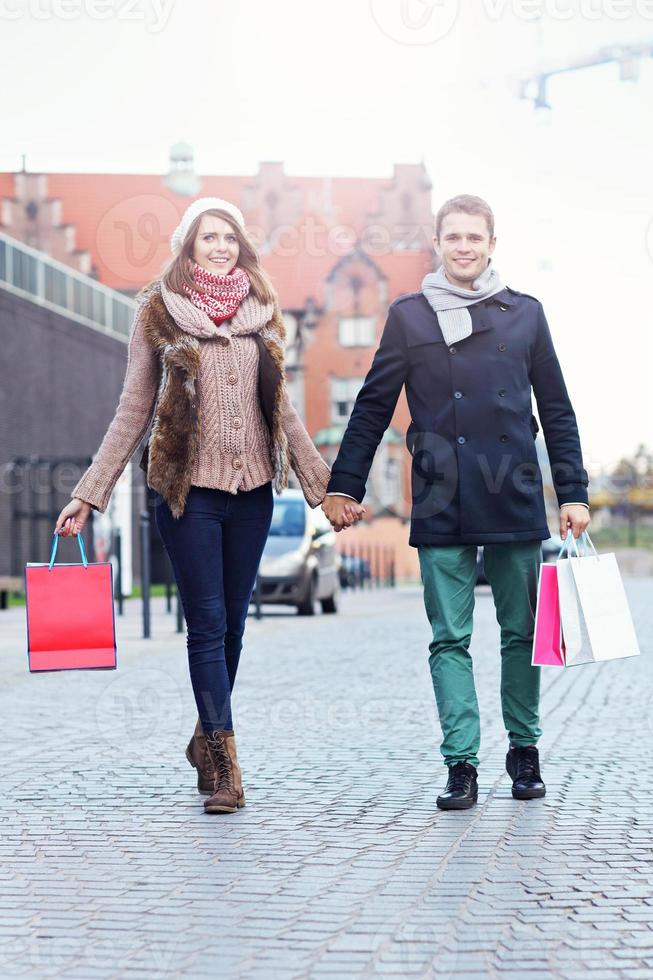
[(452, 350), (232, 378), (236, 463), (457, 394), (503, 308), (503, 438), (502, 392), (461, 440), (237, 422), (502, 347)]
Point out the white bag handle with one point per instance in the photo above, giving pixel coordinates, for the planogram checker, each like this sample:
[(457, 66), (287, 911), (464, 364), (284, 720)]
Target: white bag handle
[(567, 544), (588, 540), (570, 541)]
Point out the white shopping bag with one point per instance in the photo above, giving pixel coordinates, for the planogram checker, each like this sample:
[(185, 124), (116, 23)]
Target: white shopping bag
[(578, 649), (596, 621)]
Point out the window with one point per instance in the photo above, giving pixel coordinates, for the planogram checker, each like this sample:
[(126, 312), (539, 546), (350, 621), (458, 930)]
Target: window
[(343, 396), (288, 518), (357, 331), (121, 316), (82, 299), (25, 271), (389, 482), (56, 286)]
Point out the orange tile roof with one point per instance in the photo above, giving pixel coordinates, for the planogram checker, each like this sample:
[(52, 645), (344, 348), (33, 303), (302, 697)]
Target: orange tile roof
[(125, 222)]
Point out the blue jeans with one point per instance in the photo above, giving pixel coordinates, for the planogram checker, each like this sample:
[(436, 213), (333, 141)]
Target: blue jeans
[(215, 549)]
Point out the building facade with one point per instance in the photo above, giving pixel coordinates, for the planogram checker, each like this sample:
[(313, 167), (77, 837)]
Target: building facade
[(338, 250)]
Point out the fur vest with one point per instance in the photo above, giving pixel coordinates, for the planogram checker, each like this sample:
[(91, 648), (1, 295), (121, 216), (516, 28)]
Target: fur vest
[(170, 453)]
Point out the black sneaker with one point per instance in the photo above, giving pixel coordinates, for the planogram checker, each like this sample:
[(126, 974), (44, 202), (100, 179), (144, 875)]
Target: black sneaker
[(461, 790), (523, 766)]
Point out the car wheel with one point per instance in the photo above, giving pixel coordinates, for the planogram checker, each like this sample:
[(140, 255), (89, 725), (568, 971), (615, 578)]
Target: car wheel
[(307, 607), (330, 604)]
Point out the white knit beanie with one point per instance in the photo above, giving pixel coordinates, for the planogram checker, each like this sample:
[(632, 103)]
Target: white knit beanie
[(194, 210)]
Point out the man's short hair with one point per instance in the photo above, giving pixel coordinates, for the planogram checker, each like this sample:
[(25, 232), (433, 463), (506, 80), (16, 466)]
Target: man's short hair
[(468, 204)]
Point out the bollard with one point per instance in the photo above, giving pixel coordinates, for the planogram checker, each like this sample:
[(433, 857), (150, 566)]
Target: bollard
[(145, 571), (257, 598), (117, 546), (180, 613), (168, 586)]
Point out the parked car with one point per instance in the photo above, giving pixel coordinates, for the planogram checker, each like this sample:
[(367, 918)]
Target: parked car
[(551, 548), (354, 570), (300, 564)]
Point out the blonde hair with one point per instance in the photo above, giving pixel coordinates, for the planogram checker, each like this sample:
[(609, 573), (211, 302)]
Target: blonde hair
[(179, 272), (468, 204)]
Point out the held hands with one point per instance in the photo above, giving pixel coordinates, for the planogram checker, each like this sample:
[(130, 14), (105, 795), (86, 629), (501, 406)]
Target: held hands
[(342, 512), (72, 518), (573, 516)]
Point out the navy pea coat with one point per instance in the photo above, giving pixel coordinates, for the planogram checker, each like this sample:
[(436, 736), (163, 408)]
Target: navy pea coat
[(475, 472)]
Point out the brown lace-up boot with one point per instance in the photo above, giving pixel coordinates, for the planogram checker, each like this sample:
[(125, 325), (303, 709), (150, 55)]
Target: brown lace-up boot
[(198, 755), (228, 795)]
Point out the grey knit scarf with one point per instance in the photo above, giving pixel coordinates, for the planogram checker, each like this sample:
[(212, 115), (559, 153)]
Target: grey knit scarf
[(450, 302)]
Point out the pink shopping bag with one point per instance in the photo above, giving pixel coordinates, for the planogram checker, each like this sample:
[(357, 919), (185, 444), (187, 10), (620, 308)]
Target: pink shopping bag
[(548, 644), (70, 623)]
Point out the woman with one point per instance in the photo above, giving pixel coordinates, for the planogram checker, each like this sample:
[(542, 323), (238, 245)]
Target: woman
[(205, 361)]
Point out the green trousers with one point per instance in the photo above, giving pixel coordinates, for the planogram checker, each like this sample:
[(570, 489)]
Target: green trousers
[(449, 576)]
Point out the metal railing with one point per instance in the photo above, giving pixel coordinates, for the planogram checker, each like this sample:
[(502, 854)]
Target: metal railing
[(368, 566), (55, 286)]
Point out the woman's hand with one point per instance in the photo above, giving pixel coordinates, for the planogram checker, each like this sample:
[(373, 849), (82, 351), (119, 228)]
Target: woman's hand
[(72, 518), (342, 511)]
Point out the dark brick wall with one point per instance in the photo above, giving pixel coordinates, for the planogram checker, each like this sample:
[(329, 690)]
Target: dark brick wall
[(59, 386)]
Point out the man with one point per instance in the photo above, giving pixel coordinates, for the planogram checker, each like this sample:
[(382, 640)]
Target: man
[(469, 350)]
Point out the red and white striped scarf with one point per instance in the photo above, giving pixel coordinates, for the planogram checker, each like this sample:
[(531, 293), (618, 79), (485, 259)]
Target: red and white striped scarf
[(223, 295)]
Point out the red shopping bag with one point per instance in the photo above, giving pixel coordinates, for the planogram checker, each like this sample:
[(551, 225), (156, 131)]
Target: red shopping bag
[(548, 644), (70, 622)]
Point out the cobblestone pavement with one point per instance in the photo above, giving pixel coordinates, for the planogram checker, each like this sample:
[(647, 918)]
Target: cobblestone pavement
[(340, 865)]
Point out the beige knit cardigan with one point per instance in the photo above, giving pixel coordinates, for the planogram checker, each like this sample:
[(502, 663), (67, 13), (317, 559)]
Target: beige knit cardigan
[(234, 447)]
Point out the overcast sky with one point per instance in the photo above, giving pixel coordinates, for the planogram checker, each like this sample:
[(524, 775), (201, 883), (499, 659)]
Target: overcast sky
[(350, 87)]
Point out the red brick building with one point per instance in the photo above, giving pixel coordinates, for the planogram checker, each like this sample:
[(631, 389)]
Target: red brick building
[(338, 249)]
